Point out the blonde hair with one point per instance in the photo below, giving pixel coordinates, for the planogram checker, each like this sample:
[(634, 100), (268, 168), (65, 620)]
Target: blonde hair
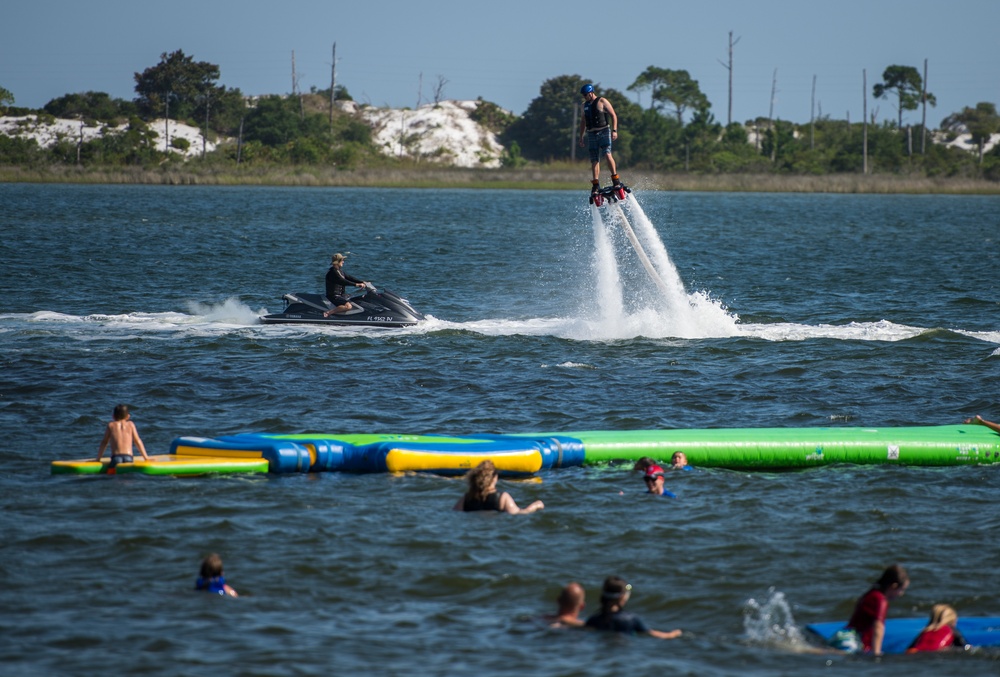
[(942, 615), (480, 479)]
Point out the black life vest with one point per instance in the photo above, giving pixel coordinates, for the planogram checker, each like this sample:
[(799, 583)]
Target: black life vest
[(595, 117)]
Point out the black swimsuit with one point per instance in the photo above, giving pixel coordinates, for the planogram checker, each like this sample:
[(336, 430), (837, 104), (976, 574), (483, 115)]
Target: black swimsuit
[(491, 502)]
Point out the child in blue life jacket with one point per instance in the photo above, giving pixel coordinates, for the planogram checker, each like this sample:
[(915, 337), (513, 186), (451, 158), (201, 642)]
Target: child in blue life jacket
[(211, 579)]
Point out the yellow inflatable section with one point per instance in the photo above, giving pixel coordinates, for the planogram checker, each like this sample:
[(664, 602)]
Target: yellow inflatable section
[(162, 464), (524, 462)]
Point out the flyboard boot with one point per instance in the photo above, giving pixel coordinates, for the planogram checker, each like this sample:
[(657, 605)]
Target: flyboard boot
[(596, 198), (618, 189), (616, 192)]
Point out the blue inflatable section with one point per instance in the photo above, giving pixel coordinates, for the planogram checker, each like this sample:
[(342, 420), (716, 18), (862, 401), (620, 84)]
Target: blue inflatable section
[(282, 456), (305, 453), (557, 451), (900, 632)]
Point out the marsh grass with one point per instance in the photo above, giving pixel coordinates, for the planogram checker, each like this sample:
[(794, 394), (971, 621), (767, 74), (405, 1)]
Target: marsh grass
[(561, 177)]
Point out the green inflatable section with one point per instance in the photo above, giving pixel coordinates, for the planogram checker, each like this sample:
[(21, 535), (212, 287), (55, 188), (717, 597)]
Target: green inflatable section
[(779, 448)]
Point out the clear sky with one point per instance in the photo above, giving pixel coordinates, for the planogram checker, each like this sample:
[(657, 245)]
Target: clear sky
[(394, 53)]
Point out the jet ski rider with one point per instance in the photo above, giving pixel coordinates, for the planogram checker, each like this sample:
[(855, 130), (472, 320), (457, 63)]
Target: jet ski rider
[(336, 283)]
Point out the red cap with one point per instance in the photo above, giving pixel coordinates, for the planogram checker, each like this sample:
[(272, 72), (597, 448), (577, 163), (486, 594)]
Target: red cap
[(653, 471)]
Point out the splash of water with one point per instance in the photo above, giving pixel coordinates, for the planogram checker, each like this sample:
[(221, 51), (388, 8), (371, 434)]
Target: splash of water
[(770, 622), (671, 311), (609, 286), (230, 311)]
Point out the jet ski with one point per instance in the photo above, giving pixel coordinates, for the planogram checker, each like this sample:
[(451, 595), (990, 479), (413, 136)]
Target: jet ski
[(373, 308)]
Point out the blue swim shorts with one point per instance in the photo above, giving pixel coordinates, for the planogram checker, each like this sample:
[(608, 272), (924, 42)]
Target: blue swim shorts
[(599, 142)]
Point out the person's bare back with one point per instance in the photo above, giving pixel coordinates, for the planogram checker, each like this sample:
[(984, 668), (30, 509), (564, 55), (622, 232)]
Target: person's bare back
[(122, 435)]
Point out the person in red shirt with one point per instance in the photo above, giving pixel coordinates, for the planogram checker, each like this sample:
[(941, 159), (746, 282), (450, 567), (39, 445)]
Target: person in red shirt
[(867, 622), (940, 632)]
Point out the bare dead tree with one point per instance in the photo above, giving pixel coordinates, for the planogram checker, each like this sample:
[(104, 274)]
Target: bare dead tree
[(295, 88), (864, 118), (333, 81), (239, 141), (729, 67), (923, 121), (770, 117), (439, 89), (204, 135), (812, 117)]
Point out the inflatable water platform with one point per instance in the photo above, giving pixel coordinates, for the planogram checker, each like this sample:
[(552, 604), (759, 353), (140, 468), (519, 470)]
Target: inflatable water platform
[(523, 454), (900, 632), (163, 464), (792, 448)]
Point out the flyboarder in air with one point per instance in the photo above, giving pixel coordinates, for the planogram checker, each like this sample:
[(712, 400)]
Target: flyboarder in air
[(599, 124)]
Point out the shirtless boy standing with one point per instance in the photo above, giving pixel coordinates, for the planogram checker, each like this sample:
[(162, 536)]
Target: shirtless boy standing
[(122, 434)]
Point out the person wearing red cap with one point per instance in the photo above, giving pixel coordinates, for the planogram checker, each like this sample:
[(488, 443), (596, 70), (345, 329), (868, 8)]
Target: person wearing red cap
[(653, 477)]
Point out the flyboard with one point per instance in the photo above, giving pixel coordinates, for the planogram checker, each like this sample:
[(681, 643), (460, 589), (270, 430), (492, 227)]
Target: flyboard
[(900, 632), (613, 196)]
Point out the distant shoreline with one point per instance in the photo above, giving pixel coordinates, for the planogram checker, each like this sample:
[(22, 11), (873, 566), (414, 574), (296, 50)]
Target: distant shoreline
[(510, 179)]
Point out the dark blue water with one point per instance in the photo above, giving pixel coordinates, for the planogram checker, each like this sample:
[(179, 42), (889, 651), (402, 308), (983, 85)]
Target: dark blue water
[(800, 310)]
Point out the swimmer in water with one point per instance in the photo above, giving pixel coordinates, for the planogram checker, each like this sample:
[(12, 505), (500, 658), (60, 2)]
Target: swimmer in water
[(866, 628), (655, 479), (571, 601), (612, 617), (212, 578), (483, 494)]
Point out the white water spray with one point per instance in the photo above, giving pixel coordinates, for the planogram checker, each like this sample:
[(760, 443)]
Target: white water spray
[(609, 284), (674, 312)]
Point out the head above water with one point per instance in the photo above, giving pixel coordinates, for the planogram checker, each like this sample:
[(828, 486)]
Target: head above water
[(894, 579), (211, 566), (652, 473), (643, 463), (942, 615), (615, 592), (482, 479), (571, 598)]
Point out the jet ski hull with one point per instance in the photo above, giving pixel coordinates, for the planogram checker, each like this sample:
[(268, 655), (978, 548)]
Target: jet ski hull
[(371, 309)]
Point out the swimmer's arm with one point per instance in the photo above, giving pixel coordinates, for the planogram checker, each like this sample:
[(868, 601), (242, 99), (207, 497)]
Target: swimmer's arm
[(104, 442), (878, 634), (138, 442), (660, 634), (982, 421), (509, 506)]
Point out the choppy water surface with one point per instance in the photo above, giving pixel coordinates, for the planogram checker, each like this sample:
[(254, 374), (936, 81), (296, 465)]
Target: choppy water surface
[(794, 310)]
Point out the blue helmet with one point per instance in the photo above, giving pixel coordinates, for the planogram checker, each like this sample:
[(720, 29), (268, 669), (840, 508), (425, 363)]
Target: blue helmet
[(586, 89)]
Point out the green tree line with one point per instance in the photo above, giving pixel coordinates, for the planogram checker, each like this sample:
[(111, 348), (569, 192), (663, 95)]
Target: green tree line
[(676, 132)]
